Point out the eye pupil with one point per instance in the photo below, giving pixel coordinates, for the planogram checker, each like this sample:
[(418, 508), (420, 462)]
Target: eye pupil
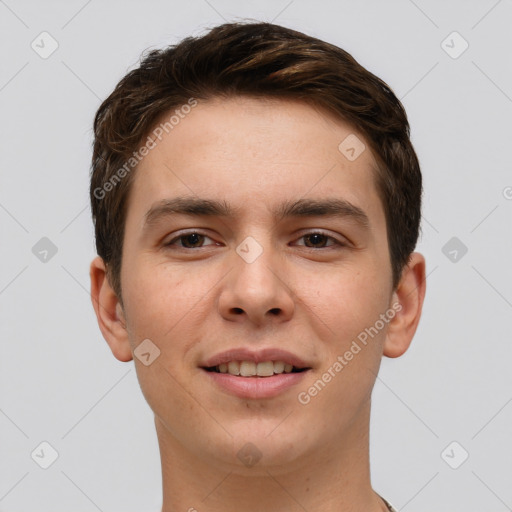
[(192, 239), (316, 238)]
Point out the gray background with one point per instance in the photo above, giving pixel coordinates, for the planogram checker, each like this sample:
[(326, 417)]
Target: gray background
[(58, 379)]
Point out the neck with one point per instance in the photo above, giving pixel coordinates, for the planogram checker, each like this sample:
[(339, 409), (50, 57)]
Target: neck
[(333, 479)]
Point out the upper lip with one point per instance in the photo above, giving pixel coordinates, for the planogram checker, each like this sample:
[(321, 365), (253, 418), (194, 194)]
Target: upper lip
[(260, 356)]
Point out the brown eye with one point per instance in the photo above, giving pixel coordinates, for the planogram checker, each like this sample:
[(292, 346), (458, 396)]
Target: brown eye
[(192, 240), (319, 240), (316, 239)]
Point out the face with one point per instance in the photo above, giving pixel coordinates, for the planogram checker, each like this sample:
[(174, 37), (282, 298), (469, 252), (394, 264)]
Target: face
[(287, 262)]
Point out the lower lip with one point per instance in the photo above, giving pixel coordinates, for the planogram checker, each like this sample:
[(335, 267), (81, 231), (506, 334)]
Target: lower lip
[(256, 387)]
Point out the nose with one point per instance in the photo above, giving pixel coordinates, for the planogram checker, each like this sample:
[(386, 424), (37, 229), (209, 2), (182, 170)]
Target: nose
[(256, 291)]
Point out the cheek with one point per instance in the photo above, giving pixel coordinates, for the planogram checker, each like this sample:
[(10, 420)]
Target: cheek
[(343, 302), (160, 300), (345, 310)]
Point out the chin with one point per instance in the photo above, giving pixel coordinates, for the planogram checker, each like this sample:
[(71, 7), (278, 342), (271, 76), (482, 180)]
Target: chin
[(267, 446)]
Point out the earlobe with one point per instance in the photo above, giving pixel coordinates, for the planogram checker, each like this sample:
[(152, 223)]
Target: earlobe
[(407, 301), (109, 312)]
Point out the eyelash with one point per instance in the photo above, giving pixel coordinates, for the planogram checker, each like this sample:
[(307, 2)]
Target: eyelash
[(184, 235)]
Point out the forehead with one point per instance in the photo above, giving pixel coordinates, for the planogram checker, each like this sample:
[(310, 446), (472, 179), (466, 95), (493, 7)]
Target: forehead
[(257, 153)]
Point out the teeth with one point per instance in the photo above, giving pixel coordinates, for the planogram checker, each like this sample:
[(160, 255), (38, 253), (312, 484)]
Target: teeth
[(247, 368), (279, 367), (250, 368), (233, 368), (265, 369)]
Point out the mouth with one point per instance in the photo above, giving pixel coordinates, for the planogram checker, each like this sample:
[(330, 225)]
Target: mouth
[(247, 374), (263, 369), (255, 381)]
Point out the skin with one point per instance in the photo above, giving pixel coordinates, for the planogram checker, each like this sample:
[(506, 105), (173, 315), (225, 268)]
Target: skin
[(312, 301)]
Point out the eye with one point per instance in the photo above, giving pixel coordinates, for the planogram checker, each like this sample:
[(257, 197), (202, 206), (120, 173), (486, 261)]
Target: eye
[(196, 240), (318, 240), (192, 240)]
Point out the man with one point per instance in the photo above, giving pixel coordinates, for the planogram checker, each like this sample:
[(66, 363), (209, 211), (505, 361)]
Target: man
[(257, 202)]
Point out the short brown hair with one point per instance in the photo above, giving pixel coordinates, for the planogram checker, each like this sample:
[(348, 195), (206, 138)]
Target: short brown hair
[(258, 60)]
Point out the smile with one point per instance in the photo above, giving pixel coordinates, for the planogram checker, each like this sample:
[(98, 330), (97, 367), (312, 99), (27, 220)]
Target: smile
[(252, 369)]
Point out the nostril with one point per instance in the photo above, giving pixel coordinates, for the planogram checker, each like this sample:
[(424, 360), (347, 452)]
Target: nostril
[(275, 311)]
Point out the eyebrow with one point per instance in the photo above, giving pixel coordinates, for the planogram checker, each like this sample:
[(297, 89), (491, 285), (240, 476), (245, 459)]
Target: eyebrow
[(330, 207)]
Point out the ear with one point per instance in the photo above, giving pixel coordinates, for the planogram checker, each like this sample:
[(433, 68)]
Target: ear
[(407, 301), (109, 312)]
